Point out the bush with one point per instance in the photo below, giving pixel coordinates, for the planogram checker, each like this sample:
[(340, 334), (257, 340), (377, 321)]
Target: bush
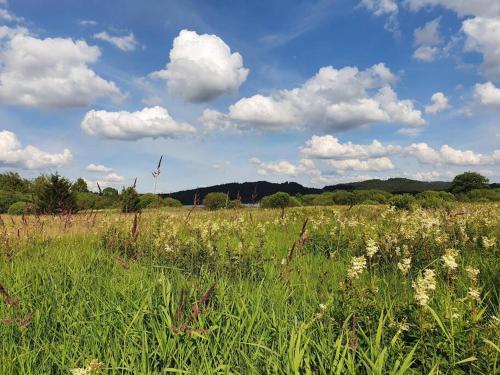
[(7, 198), (403, 201), (483, 195), (20, 208), (172, 202), (150, 200), (86, 201), (215, 201), (377, 196), (294, 202), (276, 200), (54, 195), (342, 197), (129, 199), (435, 199)]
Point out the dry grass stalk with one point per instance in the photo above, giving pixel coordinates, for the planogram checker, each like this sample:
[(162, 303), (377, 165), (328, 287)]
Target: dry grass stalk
[(9, 300)]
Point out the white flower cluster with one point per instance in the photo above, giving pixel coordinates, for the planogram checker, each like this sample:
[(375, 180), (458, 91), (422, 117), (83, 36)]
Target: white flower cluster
[(449, 260), (405, 265), (424, 286), (371, 248), (358, 265), (93, 368)]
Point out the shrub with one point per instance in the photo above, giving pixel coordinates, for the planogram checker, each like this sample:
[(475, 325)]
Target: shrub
[(276, 200), (403, 201), (294, 202), (7, 198), (483, 195), (377, 196), (20, 208), (172, 202), (215, 201), (86, 201), (150, 200), (54, 195), (129, 199), (435, 199), (342, 197), (110, 192)]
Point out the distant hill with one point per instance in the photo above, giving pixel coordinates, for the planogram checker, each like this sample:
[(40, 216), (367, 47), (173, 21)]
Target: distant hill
[(251, 192), (392, 185)]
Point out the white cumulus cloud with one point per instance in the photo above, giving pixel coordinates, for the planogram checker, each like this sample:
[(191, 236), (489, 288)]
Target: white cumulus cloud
[(151, 122), (13, 154), (337, 99), (375, 164), (202, 68), (98, 168), (487, 94), (329, 147), (50, 72), (439, 103), (123, 42)]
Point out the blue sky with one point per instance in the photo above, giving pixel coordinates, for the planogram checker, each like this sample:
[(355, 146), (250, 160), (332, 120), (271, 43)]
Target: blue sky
[(316, 91)]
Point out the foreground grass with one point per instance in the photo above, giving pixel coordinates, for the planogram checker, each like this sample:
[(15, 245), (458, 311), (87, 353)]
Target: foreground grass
[(224, 292)]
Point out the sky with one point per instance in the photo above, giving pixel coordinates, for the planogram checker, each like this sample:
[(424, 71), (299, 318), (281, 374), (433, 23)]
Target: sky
[(314, 91)]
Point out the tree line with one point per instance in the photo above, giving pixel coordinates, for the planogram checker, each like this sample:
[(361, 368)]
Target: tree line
[(54, 194)]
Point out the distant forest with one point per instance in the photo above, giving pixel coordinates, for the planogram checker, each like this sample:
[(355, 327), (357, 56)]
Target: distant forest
[(253, 192)]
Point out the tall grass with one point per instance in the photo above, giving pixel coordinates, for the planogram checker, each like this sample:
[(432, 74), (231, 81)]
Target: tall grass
[(244, 291)]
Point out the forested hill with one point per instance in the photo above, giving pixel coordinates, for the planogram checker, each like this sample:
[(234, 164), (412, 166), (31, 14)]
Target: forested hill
[(253, 191), (392, 185), (250, 192)]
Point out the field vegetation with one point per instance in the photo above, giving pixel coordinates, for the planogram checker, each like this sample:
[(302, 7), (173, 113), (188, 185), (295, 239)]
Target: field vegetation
[(368, 288)]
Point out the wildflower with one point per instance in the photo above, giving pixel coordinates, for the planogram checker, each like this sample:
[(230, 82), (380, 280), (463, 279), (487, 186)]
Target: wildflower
[(449, 261), (93, 368), (488, 242), (474, 293), (473, 273), (371, 248), (423, 286), (405, 265), (358, 265)]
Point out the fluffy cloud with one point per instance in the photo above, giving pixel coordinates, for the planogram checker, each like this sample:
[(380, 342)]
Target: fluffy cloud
[(284, 167), (124, 42), (426, 53), (448, 155), (335, 99), (98, 168), (425, 39), (482, 31), (428, 35), (483, 35), (376, 164), (487, 94), (50, 73), (151, 122), (202, 68), (374, 154), (108, 180), (380, 7), (387, 8), (461, 7), (12, 154), (439, 102), (329, 147)]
